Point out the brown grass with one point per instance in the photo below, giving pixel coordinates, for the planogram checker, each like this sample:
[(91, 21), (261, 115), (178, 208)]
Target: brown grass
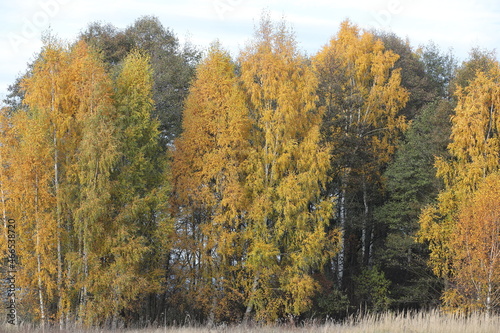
[(434, 322)]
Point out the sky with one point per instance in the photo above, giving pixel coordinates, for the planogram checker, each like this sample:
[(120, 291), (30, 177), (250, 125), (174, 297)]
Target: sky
[(451, 24)]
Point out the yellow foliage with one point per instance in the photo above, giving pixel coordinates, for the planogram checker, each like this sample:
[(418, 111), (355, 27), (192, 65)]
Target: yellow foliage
[(476, 245), (455, 236), (287, 170), (77, 252), (207, 175), (362, 92)]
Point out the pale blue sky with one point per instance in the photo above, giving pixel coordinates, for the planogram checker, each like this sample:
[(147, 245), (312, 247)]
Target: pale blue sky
[(458, 24)]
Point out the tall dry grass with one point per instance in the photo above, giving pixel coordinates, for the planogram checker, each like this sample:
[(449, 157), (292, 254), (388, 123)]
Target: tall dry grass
[(417, 322)]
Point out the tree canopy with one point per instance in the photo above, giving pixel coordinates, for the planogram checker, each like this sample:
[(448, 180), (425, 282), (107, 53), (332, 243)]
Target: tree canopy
[(148, 181)]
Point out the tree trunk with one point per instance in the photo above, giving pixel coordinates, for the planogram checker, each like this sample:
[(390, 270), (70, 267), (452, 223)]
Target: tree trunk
[(58, 231), (370, 246), (366, 235), (343, 222), (38, 259), (211, 314), (249, 309), (40, 286)]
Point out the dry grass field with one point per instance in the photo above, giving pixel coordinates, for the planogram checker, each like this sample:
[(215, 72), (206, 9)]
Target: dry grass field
[(433, 322)]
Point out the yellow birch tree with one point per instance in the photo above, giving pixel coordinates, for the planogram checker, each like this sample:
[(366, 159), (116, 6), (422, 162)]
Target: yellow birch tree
[(208, 178), (32, 207), (7, 142), (362, 94), (87, 177), (476, 251), (474, 154), (131, 268), (50, 97), (288, 214)]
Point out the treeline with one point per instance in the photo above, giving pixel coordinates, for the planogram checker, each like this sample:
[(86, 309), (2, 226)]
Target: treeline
[(150, 183)]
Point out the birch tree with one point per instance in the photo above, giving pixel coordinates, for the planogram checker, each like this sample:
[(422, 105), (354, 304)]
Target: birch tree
[(287, 172), (362, 94), (208, 173), (474, 150)]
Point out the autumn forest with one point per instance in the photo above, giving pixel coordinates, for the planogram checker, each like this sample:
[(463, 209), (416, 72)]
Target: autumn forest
[(144, 181)]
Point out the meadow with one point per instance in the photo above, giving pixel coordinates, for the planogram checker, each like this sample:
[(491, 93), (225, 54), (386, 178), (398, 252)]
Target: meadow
[(417, 322)]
